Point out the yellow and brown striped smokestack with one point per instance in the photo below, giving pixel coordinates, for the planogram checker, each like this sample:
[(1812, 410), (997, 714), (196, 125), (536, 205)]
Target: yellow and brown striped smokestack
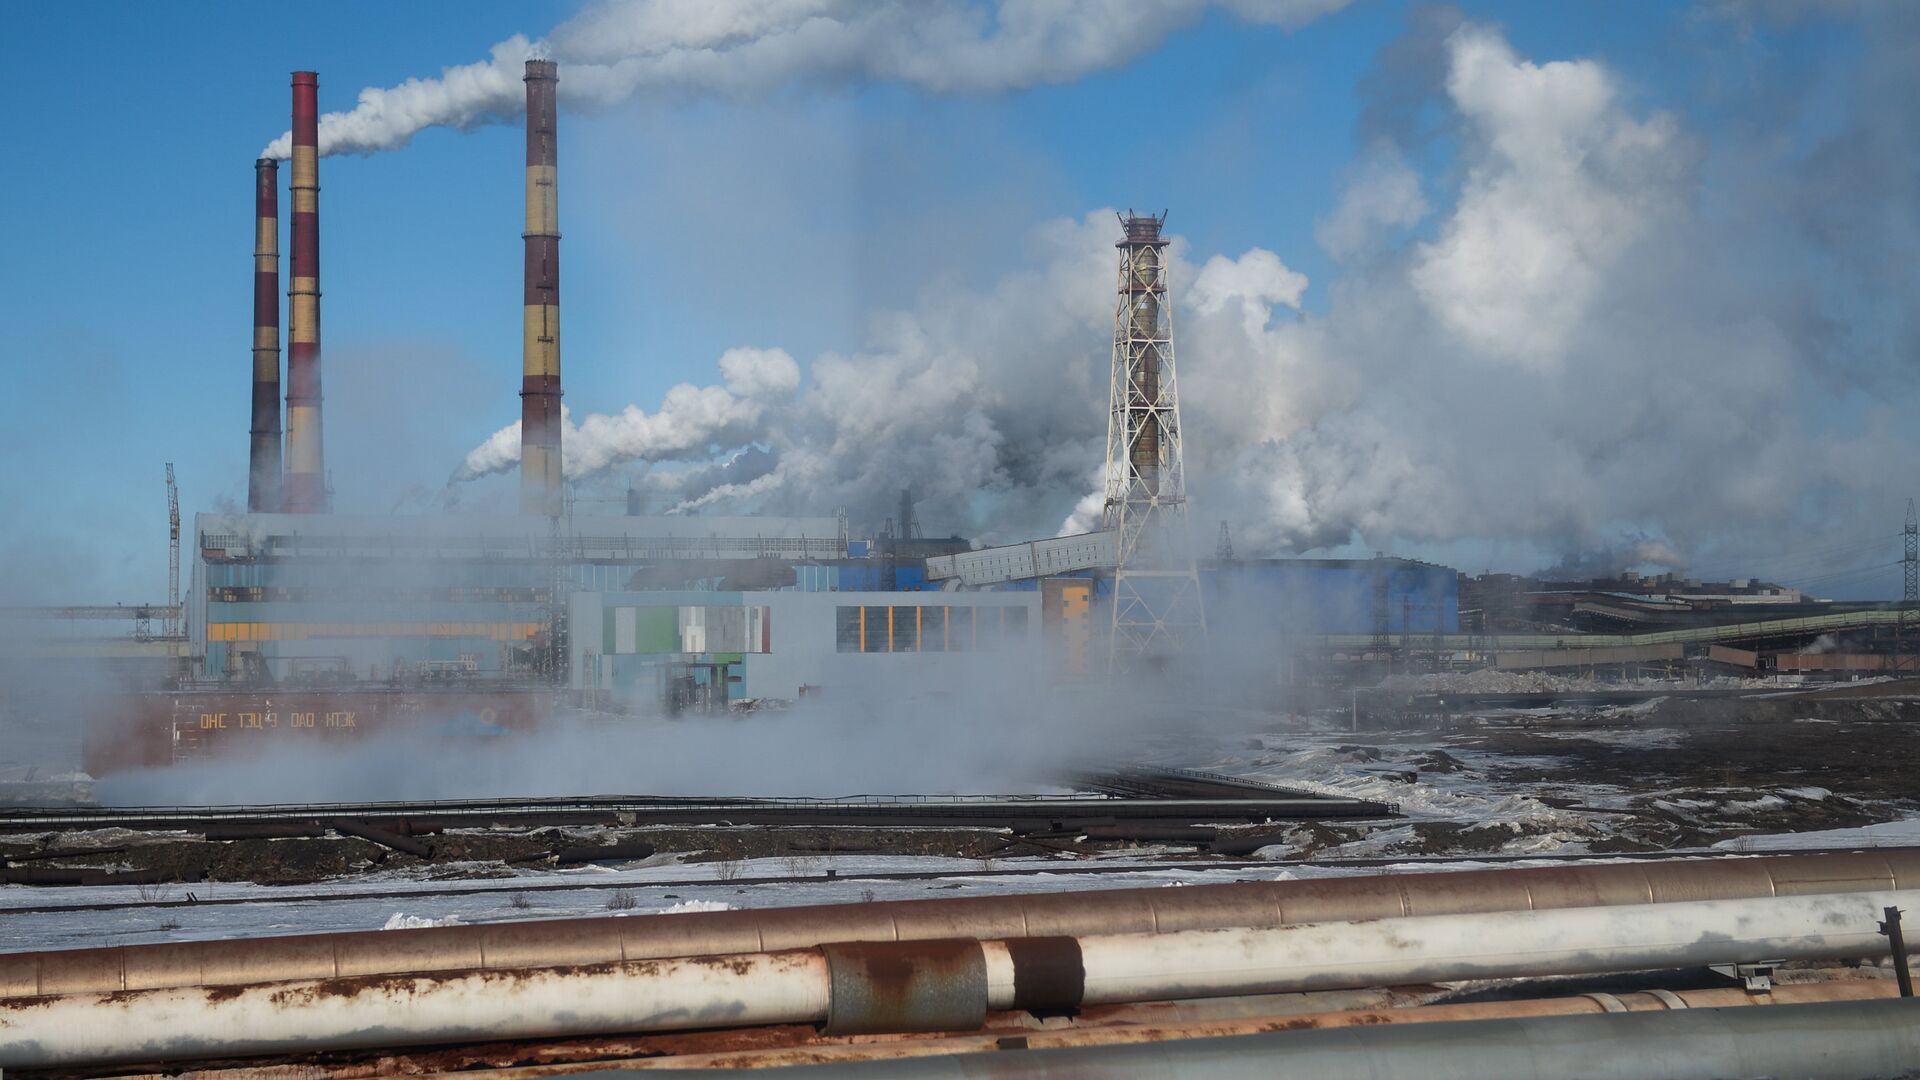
[(263, 460), (540, 480), (306, 486)]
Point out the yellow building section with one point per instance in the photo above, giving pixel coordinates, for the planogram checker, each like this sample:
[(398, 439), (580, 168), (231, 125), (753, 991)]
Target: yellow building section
[(498, 631), (540, 342)]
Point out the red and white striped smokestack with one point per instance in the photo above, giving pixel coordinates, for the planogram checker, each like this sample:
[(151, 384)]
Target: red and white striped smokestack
[(540, 479), (306, 486), (263, 459)]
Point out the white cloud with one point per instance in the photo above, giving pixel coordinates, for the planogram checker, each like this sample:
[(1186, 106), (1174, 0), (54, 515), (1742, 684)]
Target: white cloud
[(1561, 184)]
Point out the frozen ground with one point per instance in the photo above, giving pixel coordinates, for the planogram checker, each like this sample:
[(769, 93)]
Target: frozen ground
[(654, 887), (1661, 776)]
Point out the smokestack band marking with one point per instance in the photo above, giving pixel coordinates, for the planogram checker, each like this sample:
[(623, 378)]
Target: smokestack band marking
[(263, 461), (540, 479)]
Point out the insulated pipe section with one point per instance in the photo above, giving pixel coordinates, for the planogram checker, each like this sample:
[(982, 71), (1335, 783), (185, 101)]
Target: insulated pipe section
[(1838, 1039), (306, 488), (548, 943), (540, 478), (263, 459), (922, 986)]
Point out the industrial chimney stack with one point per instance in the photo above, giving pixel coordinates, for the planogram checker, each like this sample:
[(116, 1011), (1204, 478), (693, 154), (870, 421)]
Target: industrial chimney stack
[(263, 462), (306, 488), (540, 479)]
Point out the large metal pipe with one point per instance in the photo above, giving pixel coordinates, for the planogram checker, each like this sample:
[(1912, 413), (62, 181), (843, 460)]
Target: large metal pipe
[(1144, 1023), (540, 479), (306, 485), (928, 986), (263, 459), (545, 943), (1849, 1039)]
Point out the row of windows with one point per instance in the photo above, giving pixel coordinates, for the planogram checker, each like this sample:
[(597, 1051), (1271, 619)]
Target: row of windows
[(237, 594), (235, 631), (902, 628)]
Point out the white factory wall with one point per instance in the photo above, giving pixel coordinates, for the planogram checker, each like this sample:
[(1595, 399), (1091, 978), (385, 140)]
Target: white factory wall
[(806, 647)]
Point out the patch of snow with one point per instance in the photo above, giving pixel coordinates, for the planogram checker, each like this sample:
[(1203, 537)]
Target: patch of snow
[(403, 921), (1904, 833), (1813, 793)]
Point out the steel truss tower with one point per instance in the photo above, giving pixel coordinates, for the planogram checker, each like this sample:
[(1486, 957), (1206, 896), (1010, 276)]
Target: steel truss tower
[(1156, 605)]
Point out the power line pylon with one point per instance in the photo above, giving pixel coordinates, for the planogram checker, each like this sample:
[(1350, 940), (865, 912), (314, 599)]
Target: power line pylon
[(1910, 561), (1156, 606), (1910, 592), (170, 626), (1223, 551)]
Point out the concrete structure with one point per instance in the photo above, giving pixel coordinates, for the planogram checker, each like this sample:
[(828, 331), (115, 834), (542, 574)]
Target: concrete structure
[(306, 472), (1024, 562), (541, 483)]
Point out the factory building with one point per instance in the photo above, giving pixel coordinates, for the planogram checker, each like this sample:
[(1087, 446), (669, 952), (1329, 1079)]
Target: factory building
[(1334, 596), (700, 650), (279, 597)]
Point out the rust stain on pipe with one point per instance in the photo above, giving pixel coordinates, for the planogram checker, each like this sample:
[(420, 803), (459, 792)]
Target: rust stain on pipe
[(502, 946), (905, 986)]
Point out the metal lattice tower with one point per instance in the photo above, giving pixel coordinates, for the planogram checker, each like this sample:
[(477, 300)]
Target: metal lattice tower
[(1156, 605), (170, 626), (1910, 561)]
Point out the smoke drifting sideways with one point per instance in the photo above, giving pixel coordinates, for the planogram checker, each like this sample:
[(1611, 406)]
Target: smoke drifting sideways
[(991, 723), (743, 49), (1586, 333)]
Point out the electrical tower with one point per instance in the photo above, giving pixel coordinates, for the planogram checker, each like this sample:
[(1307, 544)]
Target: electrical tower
[(170, 626), (1909, 593), (1910, 560), (1156, 604), (1223, 550)]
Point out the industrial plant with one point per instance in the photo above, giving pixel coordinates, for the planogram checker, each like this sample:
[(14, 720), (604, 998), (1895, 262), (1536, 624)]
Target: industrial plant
[(1424, 822)]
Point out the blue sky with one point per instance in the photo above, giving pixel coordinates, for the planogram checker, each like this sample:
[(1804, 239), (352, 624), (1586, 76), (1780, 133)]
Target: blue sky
[(691, 225)]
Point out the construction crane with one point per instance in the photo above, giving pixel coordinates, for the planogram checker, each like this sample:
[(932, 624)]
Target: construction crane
[(170, 627)]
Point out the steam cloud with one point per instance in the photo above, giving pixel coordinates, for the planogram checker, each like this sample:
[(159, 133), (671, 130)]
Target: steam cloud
[(746, 48), (1580, 338)]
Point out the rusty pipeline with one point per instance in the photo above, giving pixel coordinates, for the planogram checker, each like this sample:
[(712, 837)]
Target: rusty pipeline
[(546, 943), (942, 985)]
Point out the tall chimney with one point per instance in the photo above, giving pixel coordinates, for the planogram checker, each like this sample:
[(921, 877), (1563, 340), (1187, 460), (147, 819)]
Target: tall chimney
[(540, 480), (263, 460), (306, 486)]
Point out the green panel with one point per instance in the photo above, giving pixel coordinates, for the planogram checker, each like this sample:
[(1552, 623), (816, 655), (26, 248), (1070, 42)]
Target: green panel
[(606, 627), (656, 630), (729, 658)]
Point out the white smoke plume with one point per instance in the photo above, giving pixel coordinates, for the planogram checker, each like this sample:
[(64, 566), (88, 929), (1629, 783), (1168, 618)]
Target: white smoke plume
[(746, 48), (1575, 339), (693, 422)]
